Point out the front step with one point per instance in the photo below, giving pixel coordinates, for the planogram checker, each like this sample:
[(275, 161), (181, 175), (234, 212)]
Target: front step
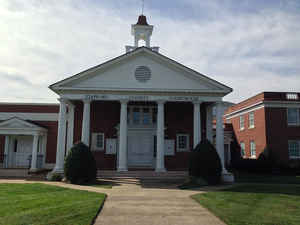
[(148, 174), (14, 173)]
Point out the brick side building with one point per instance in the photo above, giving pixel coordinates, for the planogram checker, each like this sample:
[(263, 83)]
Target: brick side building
[(268, 120)]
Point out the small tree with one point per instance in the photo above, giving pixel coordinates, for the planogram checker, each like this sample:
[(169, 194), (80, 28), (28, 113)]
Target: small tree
[(205, 162), (80, 165)]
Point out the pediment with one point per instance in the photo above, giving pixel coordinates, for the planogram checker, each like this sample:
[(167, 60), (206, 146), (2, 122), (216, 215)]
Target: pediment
[(120, 74), (17, 123)]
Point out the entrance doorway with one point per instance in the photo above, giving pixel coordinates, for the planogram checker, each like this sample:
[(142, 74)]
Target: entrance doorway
[(140, 149)]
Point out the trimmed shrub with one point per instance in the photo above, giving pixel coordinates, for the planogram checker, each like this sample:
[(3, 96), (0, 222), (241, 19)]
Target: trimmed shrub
[(56, 177), (204, 162), (80, 165)]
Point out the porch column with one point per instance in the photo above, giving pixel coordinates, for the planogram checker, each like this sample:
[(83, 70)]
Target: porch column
[(122, 166), (209, 123), (33, 167), (71, 108), (61, 137), (6, 149), (85, 135), (160, 136), (197, 123), (220, 133)]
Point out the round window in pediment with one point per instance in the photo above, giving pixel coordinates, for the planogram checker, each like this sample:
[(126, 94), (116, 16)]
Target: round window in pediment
[(142, 74)]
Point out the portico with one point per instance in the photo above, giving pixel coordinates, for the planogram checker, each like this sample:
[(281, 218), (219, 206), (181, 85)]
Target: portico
[(25, 144), (141, 109)]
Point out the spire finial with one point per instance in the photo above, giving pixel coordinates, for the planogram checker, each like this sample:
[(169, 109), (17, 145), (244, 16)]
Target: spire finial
[(143, 4)]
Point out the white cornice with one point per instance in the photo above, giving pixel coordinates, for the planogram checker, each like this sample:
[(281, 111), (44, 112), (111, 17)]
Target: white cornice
[(263, 104)]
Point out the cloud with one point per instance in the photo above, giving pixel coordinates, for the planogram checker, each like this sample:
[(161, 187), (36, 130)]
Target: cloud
[(251, 47)]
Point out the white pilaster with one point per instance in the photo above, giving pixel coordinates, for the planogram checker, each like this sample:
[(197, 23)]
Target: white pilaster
[(61, 137), (33, 167), (6, 151), (85, 135), (227, 177), (197, 124), (70, 126), (122, 165), (209, 123), (160, 135)]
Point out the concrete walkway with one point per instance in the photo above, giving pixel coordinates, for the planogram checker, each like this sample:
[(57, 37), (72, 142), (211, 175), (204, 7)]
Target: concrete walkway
[(130, 202)]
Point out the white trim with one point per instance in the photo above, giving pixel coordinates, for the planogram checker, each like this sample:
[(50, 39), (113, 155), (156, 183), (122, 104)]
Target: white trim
[(294, 157), (187, 148), (142, 97), (251, 126), (252, 143), (30, 116), (242, 122), (49, 165), (297, 123), (95, 136), (262, 104), (156, 56), (29, 103)]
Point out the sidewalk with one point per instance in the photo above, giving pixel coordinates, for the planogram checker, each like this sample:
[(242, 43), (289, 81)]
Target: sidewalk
[(132, 203)]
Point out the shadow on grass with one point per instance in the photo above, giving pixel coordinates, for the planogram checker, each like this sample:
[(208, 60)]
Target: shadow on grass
[(287, 189)]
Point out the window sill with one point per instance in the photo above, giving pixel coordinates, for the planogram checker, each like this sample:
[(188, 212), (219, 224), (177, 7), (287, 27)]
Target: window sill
[(293, 125), (294, 157), (251, 127), (253, 157), (242, 129)]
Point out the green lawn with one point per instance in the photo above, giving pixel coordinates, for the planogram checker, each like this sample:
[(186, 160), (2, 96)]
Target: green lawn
[(24, 204), (255, 204)]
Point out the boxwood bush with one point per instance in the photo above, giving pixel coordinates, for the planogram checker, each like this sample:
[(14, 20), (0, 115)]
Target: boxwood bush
[(204, 162), (80, 165)]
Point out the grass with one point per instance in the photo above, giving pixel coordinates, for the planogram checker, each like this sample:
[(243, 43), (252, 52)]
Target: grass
[(255, 204), (265, 178), (41, 204), (101, 184)]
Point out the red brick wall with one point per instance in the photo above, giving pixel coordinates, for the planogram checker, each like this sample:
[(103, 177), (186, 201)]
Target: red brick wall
[(105, 116), (256, 134), (2, 144), (278, 132), (26, 108)]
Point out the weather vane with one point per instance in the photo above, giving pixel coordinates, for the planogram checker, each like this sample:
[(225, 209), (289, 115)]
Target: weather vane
[(143, 7)]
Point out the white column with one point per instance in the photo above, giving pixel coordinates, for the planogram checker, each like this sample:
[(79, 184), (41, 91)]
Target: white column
[(70, 126), (197, 124), (122, 166), (220, 133), (61, 137), (160, 137), (85, 135), (209, 123), (33, 167), (44, 148), (6, 151)]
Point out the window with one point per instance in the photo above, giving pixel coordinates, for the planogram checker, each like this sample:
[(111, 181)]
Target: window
[(252, 149), (291, 96), (98, 141), (242, 122), (293, 116), (294, 149), (251, 120), (141, 115), (243, 152), (182, 142)]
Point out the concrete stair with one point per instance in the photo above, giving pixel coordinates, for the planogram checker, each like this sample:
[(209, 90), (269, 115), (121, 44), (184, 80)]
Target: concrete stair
[(14, 173), (139, 174)]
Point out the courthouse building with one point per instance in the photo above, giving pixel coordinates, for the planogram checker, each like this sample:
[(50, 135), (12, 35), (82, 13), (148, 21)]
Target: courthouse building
[(138, 110)]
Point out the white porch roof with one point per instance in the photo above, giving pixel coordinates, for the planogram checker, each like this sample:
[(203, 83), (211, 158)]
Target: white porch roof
[(17, 126)]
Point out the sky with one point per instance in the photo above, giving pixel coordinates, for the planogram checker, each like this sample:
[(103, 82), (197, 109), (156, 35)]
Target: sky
[(249, 45)]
